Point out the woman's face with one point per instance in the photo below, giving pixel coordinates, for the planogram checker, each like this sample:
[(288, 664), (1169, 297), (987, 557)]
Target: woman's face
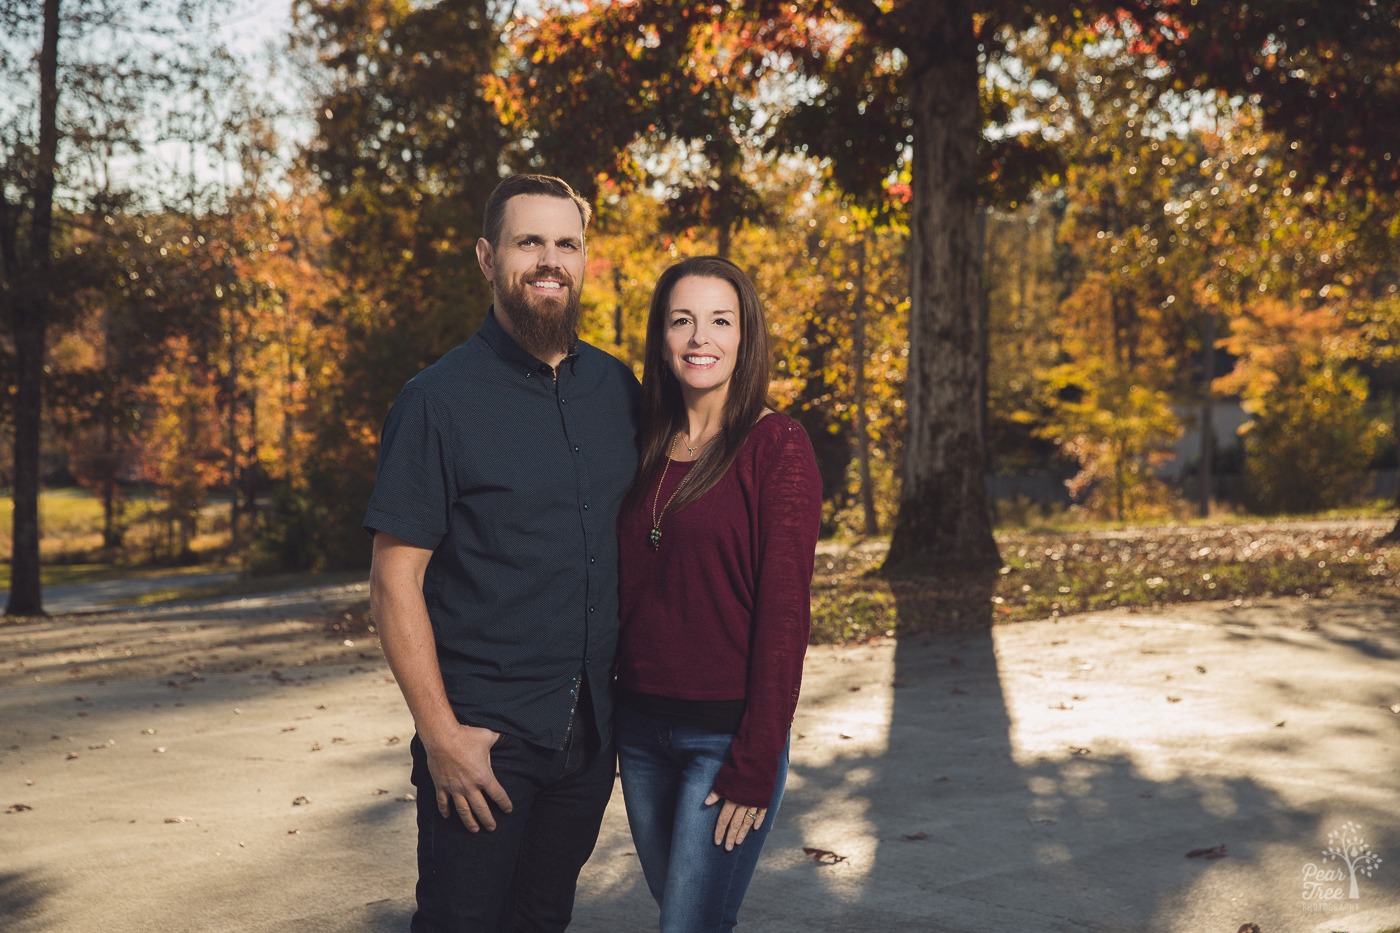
[(701, 332)]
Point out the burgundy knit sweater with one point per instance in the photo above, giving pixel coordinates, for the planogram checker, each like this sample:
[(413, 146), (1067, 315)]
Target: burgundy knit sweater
[(722, 609)]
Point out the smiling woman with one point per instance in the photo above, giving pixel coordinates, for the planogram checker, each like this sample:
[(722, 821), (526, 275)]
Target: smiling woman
[(730, 528), (702, 338)]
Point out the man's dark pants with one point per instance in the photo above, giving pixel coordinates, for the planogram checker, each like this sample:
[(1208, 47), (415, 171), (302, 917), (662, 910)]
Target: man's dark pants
[(521, 877)]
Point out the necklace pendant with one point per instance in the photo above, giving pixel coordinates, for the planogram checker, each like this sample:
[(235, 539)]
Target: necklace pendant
[(654, 537)]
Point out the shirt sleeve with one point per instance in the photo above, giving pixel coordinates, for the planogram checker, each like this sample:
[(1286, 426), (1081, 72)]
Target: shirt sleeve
[(789, 519), (413, 488)]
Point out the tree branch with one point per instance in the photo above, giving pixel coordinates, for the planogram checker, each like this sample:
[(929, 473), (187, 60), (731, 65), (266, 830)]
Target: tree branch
[(877, 22)]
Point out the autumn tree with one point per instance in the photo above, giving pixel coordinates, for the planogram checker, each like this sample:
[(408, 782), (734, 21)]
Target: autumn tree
[(83, 95), (1027, 278), (1128, 319), (1292, 270), (831, 272), (1311, 436), (673, 96), (26, 241), (406, 149), (297, 345), (897, 87), (100, 366), (1377, 314)]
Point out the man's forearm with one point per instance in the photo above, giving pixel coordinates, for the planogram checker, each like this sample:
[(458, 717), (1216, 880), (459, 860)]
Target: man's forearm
[(406, 635)]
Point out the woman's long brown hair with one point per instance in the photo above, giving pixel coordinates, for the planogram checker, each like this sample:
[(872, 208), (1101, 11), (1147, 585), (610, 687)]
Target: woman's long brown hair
[(663, 407)]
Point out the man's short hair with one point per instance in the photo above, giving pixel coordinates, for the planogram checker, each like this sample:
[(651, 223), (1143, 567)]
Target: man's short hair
[(517, 185)]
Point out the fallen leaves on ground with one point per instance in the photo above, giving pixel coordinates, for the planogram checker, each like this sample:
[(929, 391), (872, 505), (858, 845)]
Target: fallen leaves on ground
[(823, 856), (1213, 852), (1055, 573)]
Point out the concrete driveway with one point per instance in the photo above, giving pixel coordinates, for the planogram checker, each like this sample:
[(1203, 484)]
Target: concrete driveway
[(234, 766)]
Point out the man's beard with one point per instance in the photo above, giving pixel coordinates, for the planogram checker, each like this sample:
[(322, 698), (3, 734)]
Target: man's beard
[(543, 331)]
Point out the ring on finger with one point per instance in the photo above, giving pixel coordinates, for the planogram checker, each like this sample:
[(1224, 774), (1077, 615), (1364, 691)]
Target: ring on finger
[(750, 816)]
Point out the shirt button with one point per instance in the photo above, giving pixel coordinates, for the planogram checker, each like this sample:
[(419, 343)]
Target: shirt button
[(585, 506), (593, 560), (575, 448), (591, 609)]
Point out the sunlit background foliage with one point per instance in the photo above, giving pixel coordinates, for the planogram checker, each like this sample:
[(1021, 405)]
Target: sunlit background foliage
[(252, 249)]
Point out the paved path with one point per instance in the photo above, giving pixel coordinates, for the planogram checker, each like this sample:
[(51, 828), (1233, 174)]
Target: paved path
[(233, 766), (106, 595)]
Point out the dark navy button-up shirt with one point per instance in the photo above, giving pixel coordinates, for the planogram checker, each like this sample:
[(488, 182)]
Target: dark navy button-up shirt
[(512, 476)]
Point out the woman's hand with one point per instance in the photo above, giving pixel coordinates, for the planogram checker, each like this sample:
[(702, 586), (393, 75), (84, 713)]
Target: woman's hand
[(735, 821)]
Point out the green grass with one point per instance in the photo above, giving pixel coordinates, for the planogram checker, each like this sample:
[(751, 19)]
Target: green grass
[(63, 514), (70, 525)]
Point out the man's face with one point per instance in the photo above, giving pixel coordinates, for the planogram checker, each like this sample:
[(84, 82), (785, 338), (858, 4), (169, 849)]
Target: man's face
[(536, 272)]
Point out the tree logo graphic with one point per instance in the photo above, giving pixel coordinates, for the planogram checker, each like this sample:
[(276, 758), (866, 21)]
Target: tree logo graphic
[(1345, 846)]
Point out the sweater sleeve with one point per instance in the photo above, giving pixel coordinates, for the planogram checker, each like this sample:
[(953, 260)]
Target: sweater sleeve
[(788, 521)]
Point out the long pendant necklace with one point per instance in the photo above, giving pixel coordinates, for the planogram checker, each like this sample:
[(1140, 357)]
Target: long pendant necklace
[(654, 536)]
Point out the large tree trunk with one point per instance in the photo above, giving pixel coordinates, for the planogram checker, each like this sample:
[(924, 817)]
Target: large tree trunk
[(944, 522), (30, 336), (26, 595)]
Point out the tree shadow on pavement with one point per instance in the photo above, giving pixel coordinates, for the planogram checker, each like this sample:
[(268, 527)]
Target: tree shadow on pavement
[(961, 822), (23, 896)]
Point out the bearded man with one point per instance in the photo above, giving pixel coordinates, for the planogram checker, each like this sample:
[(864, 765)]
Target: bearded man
[(494, 579)]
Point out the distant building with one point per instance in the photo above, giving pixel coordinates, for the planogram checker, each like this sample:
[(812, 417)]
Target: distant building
[(1228, 417)]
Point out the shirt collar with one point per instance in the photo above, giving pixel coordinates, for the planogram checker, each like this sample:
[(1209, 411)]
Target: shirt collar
[(513, 353)]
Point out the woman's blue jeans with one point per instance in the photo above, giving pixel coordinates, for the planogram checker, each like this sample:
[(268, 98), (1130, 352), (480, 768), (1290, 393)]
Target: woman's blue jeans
[(667, 771)]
